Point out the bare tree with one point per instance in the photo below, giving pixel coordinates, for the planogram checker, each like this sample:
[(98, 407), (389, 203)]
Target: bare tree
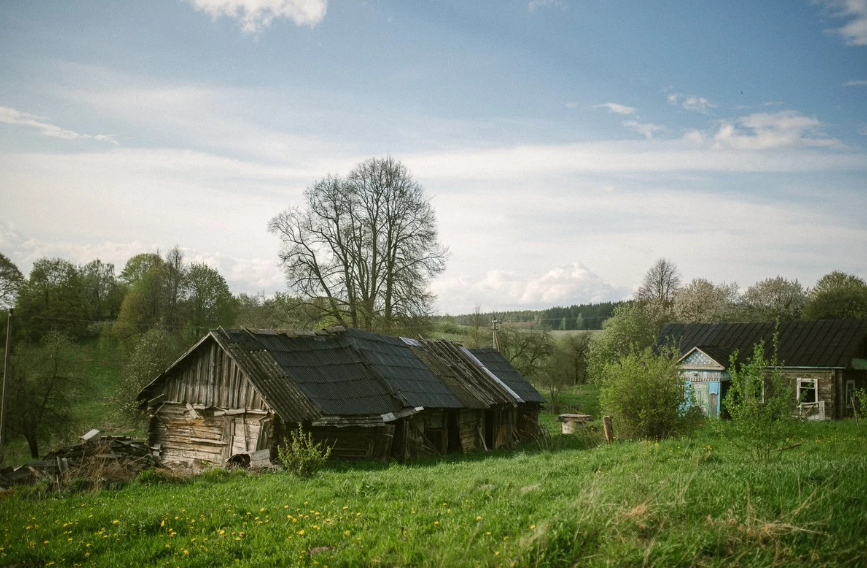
[(660, 284), (525, 349), (365, 248)]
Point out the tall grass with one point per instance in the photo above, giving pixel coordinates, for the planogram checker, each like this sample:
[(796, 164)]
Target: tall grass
[(694, 501)]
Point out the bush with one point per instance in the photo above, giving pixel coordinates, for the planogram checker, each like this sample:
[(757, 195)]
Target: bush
[(300, 455), (760, 402), (646, 396)]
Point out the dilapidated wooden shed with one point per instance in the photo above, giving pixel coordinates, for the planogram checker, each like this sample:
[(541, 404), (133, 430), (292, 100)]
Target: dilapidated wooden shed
[(237, 393)]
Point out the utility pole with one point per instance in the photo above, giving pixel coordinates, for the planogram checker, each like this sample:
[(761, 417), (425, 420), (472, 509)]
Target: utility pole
[(6, 358)]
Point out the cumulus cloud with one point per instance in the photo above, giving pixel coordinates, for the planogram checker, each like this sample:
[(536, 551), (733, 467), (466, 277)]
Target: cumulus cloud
[(254, 15), (858, 83), (763, 131), (646, 129), (11, 116), (563, 285), (618, 108), (854, 32), (690, 102)]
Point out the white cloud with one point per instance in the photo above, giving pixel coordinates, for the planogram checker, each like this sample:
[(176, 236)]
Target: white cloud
[(859, 83), (690, 102), (571, 105), (564, 285), (257, 14), (855, 31), (646, 129), (617, 108), (764, 131), (537, 4), (250, 275), (11, 116)]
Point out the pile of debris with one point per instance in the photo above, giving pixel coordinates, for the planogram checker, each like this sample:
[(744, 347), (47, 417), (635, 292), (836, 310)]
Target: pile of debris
[(104, 461)]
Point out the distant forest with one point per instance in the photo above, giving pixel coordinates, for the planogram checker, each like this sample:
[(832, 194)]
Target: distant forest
[(575, 317)]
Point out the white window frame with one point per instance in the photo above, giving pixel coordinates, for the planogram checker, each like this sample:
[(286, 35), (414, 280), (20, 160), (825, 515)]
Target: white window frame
[(814, 385), (849, 393)]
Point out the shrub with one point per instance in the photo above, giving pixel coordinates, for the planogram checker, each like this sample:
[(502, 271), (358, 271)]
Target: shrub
[(645, 395), (760, 402), (300, 455)]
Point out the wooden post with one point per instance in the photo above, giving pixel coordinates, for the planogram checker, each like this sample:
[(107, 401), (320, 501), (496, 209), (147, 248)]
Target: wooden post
[(7, 357), (609, 433)]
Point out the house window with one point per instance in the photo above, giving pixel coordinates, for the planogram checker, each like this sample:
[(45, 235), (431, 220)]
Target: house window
[(808, 391), (850, 393)]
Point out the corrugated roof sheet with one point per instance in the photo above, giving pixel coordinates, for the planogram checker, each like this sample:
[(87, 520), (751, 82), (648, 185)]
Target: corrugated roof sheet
[(407, 376), (494, 361), (822, 343)]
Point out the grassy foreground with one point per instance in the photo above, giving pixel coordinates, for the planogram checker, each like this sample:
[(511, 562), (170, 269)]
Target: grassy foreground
[(695, 501)]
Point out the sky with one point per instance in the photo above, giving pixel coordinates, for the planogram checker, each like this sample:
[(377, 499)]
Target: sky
[(565, 146)]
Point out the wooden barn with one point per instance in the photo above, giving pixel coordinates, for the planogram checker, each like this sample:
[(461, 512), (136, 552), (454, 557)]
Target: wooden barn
[(236, 394), (826, 360)]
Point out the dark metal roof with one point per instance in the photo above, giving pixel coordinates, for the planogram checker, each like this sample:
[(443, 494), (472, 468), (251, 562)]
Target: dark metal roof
[(821, 343), (494, 361), (407, 377)]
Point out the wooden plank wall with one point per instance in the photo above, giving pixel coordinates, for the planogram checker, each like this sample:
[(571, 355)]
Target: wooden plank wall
[(186, 434), (211, 378)]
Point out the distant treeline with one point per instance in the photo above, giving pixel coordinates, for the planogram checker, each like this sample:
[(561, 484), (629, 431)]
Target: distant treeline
[(575, 317)]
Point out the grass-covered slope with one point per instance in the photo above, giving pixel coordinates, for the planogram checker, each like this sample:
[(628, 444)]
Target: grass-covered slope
[(686, 502)]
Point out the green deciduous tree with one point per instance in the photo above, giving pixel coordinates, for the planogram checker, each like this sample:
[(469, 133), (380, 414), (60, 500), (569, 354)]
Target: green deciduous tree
[(633, 327), (208, 303), (10, 280), (760, 401), (837, 295), (152, 354), (366, 244), (52, 299), (644, 394), (41, 384), (281, 311), (566, 365)]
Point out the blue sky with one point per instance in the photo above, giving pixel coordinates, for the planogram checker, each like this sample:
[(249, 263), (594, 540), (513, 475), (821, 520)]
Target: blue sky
[(565, 145)]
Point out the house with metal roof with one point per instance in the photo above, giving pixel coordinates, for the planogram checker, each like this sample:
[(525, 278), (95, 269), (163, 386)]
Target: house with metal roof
[(236, 394), (826, 360)]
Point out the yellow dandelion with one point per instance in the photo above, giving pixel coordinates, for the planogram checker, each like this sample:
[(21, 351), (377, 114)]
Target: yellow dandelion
[(301, 532), (186, 553), (347, 533), (532, 527), (114, 522), (478, 518), (162, 523)]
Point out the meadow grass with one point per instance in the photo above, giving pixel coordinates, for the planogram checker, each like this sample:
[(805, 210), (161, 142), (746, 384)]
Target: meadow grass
[(696, 501)]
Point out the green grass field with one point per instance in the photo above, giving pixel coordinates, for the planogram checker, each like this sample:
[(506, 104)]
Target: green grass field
[(696, 501)]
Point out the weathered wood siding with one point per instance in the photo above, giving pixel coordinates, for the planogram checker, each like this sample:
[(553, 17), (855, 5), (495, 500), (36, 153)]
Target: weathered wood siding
[(211, 378), (207, 409), (827, 386)]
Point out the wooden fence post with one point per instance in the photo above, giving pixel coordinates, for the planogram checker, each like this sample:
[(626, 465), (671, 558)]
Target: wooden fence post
[(609, 433)]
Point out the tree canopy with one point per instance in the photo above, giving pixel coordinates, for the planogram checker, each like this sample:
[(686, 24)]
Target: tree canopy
[(837, 295)]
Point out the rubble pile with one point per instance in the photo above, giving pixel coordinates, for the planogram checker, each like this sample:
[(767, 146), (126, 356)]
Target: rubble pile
[(103, 460)]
